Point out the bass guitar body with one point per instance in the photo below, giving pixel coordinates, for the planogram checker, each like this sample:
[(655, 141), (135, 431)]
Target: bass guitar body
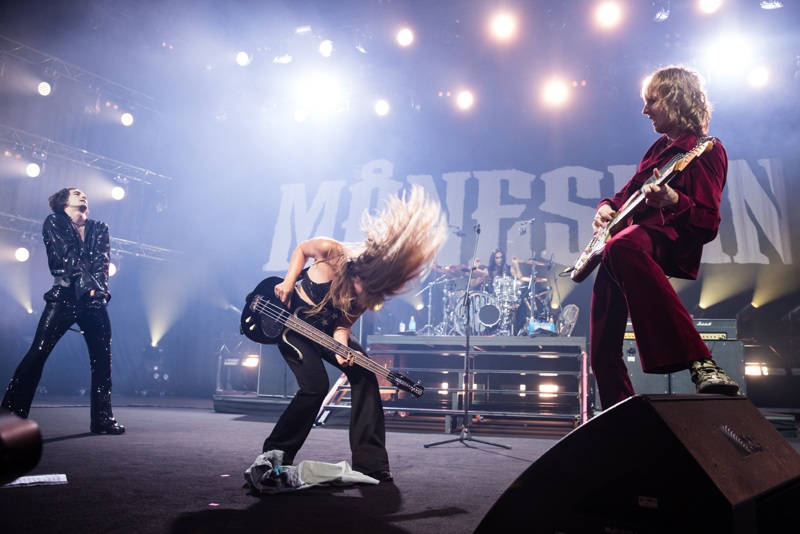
[(265, 319)]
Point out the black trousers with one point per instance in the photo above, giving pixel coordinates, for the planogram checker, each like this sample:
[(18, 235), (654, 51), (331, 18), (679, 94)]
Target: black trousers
[(367, 425), (57, 317)]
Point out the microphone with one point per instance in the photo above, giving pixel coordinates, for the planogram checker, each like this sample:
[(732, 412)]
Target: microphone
[(477, 228), (551, 262), (522, 230)]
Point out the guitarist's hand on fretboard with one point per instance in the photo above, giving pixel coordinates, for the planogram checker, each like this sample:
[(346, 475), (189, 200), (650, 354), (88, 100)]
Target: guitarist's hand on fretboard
[(659, 196)]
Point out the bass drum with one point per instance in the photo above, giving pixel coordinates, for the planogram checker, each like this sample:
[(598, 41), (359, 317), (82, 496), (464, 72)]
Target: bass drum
[(484, 314)]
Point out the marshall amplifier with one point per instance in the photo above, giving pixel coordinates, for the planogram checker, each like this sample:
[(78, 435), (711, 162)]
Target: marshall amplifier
[(710, 329)]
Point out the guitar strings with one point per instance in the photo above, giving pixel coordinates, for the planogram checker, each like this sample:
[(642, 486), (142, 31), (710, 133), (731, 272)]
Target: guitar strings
[(284, 317)]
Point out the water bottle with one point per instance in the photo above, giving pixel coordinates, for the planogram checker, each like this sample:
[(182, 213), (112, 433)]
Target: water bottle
[(531, 325), (412, 324), (402, 326)]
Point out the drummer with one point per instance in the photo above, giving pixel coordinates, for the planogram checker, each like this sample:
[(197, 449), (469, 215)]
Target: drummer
[(497, 268)]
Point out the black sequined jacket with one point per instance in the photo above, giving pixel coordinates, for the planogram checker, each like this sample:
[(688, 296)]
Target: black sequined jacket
[(77, 266)]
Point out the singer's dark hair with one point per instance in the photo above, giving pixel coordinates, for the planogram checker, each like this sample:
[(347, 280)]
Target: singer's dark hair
[(59, 200)]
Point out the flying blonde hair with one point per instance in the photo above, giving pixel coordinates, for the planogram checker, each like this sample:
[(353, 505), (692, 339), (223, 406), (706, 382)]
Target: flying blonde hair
[(400, 244)]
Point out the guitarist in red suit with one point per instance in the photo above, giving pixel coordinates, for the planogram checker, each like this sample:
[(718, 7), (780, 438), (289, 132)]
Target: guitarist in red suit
[(343, 282), (665, 239)]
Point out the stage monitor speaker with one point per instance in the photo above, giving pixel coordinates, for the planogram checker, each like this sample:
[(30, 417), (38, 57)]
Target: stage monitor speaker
[(659, 464)]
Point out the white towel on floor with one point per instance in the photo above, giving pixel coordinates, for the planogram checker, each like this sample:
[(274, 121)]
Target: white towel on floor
[(267, 475)]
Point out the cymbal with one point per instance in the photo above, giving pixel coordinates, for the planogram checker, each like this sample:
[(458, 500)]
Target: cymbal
[(452, 270), (538, 280), (535, 262)]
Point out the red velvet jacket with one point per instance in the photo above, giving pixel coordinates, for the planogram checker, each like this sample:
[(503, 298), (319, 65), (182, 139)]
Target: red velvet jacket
[(695, 220)]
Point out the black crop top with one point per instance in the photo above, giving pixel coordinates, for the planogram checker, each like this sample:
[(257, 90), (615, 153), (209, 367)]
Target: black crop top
[(316, 292)]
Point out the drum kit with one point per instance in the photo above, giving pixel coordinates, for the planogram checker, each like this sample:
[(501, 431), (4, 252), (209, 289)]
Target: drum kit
[(501, 307)]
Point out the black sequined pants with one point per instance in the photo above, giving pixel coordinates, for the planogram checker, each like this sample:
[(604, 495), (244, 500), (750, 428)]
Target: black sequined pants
[(57, 318)]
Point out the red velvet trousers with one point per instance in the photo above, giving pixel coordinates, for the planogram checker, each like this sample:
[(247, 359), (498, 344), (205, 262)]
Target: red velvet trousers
[(630, 281)]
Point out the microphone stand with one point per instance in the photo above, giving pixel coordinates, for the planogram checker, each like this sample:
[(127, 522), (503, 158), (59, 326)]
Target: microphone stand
[(466, 435)]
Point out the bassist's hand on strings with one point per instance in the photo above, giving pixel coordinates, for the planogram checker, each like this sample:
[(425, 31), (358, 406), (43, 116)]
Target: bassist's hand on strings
[(659, 196), (284, 292)]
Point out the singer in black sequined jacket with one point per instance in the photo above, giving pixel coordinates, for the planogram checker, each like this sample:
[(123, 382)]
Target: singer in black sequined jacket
[(78, 250)]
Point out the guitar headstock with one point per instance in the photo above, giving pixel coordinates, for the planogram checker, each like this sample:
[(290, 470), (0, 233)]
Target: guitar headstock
[(702, 147), (404, 383)]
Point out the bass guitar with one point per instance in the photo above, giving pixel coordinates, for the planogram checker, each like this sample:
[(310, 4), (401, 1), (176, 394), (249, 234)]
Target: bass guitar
[(590, 257), (265, 318)]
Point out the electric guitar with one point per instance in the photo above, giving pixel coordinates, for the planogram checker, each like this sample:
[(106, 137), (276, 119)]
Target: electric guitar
[(265, 319), (590, 257)]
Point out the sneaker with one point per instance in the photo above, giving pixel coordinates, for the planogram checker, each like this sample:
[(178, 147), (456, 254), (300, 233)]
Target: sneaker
[(708, 378)]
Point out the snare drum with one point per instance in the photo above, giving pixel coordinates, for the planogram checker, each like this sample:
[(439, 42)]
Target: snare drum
[(484, 314), (507, 290)]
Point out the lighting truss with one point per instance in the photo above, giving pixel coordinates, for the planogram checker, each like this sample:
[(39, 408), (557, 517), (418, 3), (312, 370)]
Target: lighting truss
[(61, 69), (13, 137), (24, 225)]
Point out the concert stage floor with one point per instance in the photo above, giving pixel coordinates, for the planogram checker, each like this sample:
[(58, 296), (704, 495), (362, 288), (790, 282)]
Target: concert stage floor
[(179, 469)]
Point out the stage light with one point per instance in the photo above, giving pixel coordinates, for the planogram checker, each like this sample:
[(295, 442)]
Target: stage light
[(503, 26), (243, 59), (45, 89), (33, 170), (326, 48), (663, 10), (126, 119), (608, 14), (405, 37), (709, 6), (465, 100), (555, 92), (755, 369), (771, 5), (729, 54), (22, 254), (302, 31), (758, 77), (321, 94), (285, 59), (251, 360), (117, 192), (382, 108)]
